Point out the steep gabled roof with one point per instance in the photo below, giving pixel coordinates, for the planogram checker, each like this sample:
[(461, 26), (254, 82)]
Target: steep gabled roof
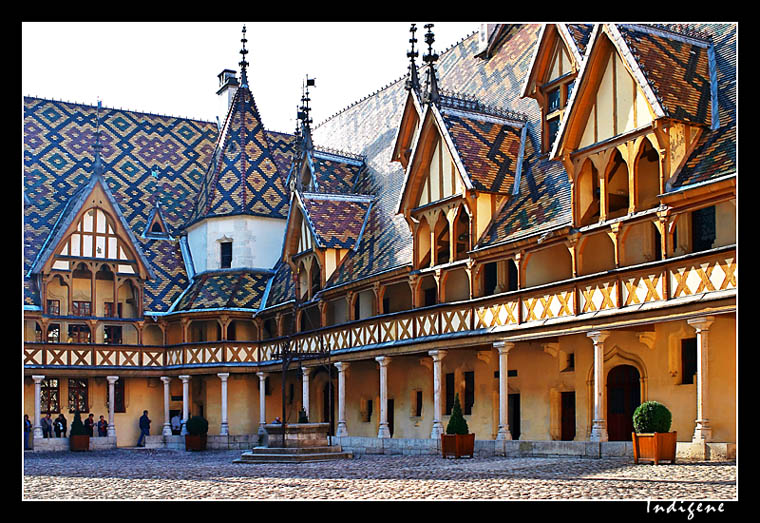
[(336, 221), (486, 145), (574, 37), (66, 219), (242, 177), (490, 148), (58, 160)]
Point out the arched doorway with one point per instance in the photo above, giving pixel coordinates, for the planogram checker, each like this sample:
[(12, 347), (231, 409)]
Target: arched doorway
[(623, 396)]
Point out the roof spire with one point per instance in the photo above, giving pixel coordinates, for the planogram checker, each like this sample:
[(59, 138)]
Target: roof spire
[(243, 63), (413, 82), (304, 110), (98, 167), (431, 95)]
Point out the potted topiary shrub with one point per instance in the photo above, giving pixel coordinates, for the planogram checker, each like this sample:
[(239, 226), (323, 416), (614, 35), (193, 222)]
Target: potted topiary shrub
[(78, 438), (195, 439), (652, 439), (457, 441)]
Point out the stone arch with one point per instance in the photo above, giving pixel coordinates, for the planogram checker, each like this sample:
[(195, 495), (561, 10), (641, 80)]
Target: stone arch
[(614, 357)]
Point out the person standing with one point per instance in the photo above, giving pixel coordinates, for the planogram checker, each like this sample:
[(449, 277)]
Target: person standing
[(27, 430), (59, 425), (144, 429), (102, 427), (89, 423), (47, 426), (176, 425)]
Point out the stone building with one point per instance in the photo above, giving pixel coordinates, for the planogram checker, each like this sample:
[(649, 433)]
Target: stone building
[(541, 219)]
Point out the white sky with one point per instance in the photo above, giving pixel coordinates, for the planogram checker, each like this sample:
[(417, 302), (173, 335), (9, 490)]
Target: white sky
[(171, 68)]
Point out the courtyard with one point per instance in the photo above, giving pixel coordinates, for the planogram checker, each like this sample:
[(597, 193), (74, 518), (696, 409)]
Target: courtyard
[(147, 474)]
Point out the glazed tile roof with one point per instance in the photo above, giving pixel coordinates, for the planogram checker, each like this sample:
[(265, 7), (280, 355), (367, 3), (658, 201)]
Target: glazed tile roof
[(283, 288), (337, 221), (243, 177), (334, 174), (677, 70), (228, 289), (488, 146), (581, 34), (58, 159), (715, 152), (369, 127)]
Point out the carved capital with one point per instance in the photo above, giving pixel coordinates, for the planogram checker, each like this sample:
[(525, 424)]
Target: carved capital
[(503, 346)]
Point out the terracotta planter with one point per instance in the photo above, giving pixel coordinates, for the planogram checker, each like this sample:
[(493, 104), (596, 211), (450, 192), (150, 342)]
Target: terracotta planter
[(457, 445), (654, 447), (79, 443), (195, 442)]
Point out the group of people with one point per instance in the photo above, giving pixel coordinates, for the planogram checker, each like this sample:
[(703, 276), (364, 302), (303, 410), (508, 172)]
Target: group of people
[(59, 427)]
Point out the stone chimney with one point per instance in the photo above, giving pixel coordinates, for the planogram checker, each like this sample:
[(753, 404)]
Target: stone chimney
[(228, 86)]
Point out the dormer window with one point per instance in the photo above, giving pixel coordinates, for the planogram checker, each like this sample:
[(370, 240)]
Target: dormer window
[(557, 94), (226, 255)]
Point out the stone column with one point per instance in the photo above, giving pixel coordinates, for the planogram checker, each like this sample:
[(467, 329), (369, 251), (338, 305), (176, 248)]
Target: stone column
[(167, 430), (437, 356), (224, 430), (599, 422), (702, 430), (384, 430), (262, 401), (37, 430), (342, 367), (185, 403), (111, 405), (503, 347), (306, 372)]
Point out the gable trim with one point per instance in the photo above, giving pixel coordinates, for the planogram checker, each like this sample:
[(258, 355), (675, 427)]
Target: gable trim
[(73, 207), (619, 46)]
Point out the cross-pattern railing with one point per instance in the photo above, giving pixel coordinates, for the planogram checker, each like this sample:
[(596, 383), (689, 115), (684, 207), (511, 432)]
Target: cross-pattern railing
[(620, 291)]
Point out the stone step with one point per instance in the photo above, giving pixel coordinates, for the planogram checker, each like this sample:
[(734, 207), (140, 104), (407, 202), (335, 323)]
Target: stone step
[(287, 457), (297, 450)]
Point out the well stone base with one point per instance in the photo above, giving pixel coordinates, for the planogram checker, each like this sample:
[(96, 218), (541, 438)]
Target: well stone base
[(297, 435)]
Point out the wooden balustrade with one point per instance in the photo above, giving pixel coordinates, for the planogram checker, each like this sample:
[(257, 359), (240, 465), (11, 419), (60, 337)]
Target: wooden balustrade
[(616, 290)]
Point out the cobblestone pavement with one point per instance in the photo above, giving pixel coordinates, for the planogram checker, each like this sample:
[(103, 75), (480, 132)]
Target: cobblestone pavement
[(142, 474)]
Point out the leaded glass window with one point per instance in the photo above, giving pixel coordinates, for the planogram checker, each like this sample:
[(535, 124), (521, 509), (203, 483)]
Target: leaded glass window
[(78, 395), (49, 396)]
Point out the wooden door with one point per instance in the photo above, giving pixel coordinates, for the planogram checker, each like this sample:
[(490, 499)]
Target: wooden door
[(623, 396), (390, 416), (513, 415), (568, 416)]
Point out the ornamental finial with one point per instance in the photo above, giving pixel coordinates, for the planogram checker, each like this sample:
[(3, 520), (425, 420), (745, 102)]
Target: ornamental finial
[(431, 95), (413, 82), (243, 63)]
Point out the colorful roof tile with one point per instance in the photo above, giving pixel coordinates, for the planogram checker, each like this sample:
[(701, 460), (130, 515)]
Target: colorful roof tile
[(243, 177), (58, 160), (337, 221), (676, 67), (489, 147), (225, 289)]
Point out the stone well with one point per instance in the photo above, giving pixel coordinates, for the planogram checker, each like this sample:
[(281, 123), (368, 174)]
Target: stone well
[(297, 435)]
